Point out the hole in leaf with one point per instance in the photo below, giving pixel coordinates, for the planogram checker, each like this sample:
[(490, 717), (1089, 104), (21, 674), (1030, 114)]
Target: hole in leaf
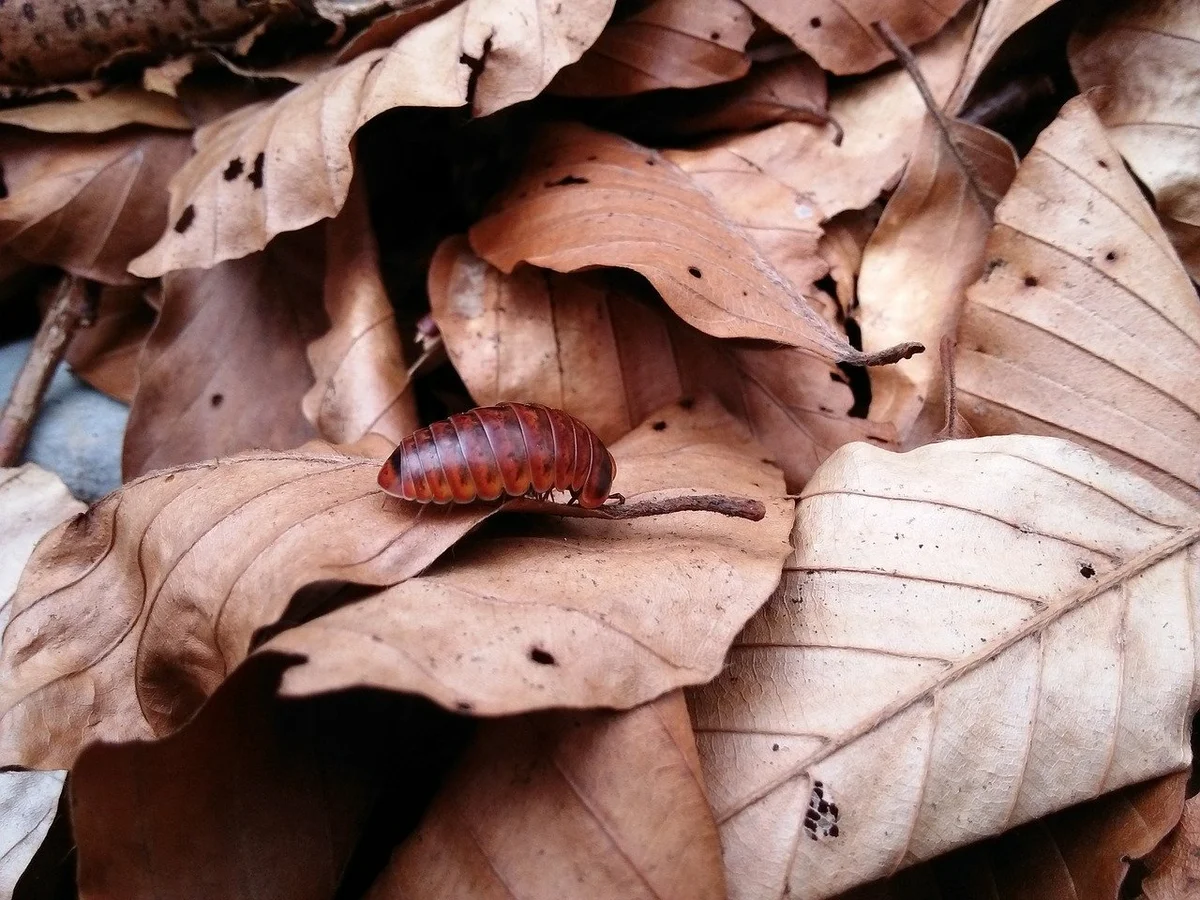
[(541, 657), (1087, 571), (1110, 255), (1031, 281), (694, 272), (660, 426), (234, 169), (256, 175), (185, 220), (815, 21), (216, 400), (715, 36)]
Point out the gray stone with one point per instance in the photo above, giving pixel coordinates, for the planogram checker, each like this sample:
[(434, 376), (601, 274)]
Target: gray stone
[(78, 432)]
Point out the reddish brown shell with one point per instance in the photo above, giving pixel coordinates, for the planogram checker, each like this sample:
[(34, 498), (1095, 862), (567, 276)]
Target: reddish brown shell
[(513, 449)]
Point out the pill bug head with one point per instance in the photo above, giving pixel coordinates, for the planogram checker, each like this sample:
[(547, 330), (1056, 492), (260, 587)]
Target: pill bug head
[(389, 475), (599, 482)]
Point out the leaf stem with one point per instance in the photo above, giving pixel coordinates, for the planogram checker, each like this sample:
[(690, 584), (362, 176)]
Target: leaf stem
[(734, 507)]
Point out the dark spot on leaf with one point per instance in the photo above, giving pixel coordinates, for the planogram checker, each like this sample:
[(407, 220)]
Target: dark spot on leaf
[(185, 221), (463, 705), (216, 400), (715, 36), (1110, 255), (234, 169), (74, 16), (41, 40), (102, 18), (541, 657), (170, 477), (1102, 164), (774, 747), (649, 161), (815, 21), (1087, 571), (660, 426), (256, 175), (1031, 281), (833, 810), (28, 11), (811, 815), (817, 785), (3, 183), (592, 158), (694, 272), (687, 403), (566, 180), (833, 831), (822, 807)]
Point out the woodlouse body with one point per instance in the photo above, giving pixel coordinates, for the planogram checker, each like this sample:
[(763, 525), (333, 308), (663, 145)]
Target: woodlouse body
[(513, 449)]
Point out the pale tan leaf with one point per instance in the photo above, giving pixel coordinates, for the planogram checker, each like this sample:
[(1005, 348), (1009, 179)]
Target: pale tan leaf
[(587, 198), (28, 804), (224, 368), (275, 167), (1148, 57), (1175, 867), (666, 44), (1000, 21), (1084, 324), (190, 563), (838, 33), (361, 379), (105, 354), (881, 119), (578, 612), (910, 285), (569, 805), (86, 204), (251, 800), (1080, 852), (113, 109), (605, 351), (969, 636)]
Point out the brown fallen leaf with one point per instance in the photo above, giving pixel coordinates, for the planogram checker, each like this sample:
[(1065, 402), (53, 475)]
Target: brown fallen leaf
[(362, 383), (665, 44), (105, 354), (1146, 56), (252, 799), (606, 352), (191, 563), (1082, 851), (280, 166), (575, 612), (588, 198), (838, 34), (842, 245), (880, 117), (1007, 629), (1084, 324), (1175, 866), (909, 285), (224, 368), (86, 204), (569, 805), (108, 111), (1000, 20)]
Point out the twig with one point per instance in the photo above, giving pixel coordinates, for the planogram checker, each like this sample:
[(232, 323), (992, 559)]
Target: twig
[(905, 55), (73, 307), (735, 507)]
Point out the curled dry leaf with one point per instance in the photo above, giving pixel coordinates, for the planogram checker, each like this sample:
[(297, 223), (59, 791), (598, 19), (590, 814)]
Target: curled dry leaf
[(588, 198), (1175, 866), (601, 349), (57, 40), (251, 800), (224, 368), (666, 44), (86, 204), (105, 354), (275, 167), (880, 118), (1007, 629), (113, 109), (32, 501), (910, 285), (574, 612), (569, 804), (191, 563), (1084, 324), (362, 383), (1148, 57), (1083, 851), (838, 33)]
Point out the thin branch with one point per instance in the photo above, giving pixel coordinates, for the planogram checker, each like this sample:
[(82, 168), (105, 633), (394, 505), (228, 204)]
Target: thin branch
[(940, 119), (734, 507), (74, 307)]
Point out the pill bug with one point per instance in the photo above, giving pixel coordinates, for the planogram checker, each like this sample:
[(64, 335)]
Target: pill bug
[(513, 449)]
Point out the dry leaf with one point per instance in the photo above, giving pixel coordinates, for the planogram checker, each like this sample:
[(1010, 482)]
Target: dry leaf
[(1079, 852), (1175, 867), (969, 636), (838, 33), (665, 44), (362, 383), (569, 805), (105, 354), (224, 368), (191, 563), (573, 613), (588, 198), (842, 246), (1147, 57), (909, 284), (50, 42), (275, 167), (113, 109), (86, 204), (28, 804), (252, 800), (999, 22), (596, 348), (1084, 324), (881, 119)]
